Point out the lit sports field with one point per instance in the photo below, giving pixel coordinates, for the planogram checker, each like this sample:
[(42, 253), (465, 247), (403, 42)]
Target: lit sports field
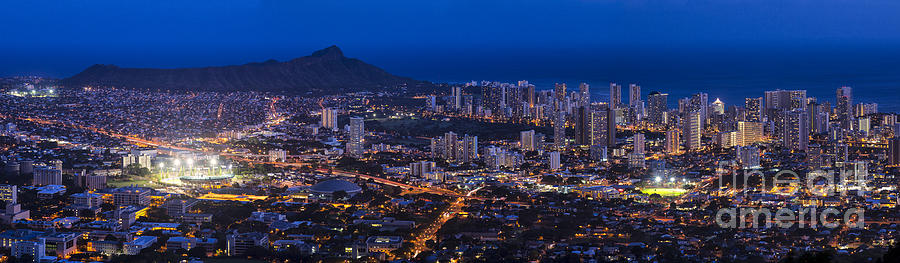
[(664, 191)]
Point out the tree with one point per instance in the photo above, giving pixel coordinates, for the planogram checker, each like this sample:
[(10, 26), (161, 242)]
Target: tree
[(339, 195), (198, 251)]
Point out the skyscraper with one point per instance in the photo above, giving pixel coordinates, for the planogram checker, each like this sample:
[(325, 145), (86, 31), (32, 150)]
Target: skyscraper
[(754, 109), (529, 95), (638, 143), (844, 107), (691, 131), (559, 130), (457, 97), (583, 125), (584, 95), (782, 100), (718, 107), (603, 127), (749, 132), (615, 95), (357, 137), (526, 140), (329, 118), (794, 130), (634, 95), (673, 142), (554, 161), (559, 97), (747, 156), (657, 108), (894, 151)]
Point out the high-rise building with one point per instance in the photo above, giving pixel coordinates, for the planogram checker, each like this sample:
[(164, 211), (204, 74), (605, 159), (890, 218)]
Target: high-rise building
[(526, 141), (754, 108), (794, 130), (46, 175), (584, 91), (718, 107), (864, 109), (693, 126), (9, 193), (35, 248), (638, 143), (559, 97), (784, 100), (559, 130), (583, 126), (673, 142), (727, 139), (452, 149), (356, 140), (894, 151), (889, 120), (657, 108), (329, 118), (457, 93), (749, 132), (844, 107), (603, 128), (747, 156), (864, 125), (467, 149), (419, 169), (615, 95), (634, 95), (554, 161), (636, 161)]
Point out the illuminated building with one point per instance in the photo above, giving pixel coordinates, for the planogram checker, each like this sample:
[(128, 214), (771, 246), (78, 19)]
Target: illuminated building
[(584, 92), (554, 161), (749, 132), (673, 142), (615, 95), (141, 160), (237, 244), (657, 108), (754, 108), (277, 155), (356, 137), (383, 244), (559, 97), (419, 169), (559, 131), (634, 95), (693, 126), (794, 130), (844, 107), (747, 156), (131, 196), (603, 128), (638, 143), (527, 140), (727, 139), (45, 175), (894, 151), (583, 126), (329, 118)]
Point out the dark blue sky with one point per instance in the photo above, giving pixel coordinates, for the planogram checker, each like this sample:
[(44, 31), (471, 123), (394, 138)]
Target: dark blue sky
[(449, 40)]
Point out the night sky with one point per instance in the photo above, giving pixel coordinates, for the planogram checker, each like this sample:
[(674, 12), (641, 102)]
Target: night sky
[(441, 40)]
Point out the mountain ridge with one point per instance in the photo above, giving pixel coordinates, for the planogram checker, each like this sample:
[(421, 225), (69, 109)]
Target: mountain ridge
[(324, 71)]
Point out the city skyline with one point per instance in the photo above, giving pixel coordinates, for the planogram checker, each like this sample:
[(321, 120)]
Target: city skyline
[(450, 131)]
